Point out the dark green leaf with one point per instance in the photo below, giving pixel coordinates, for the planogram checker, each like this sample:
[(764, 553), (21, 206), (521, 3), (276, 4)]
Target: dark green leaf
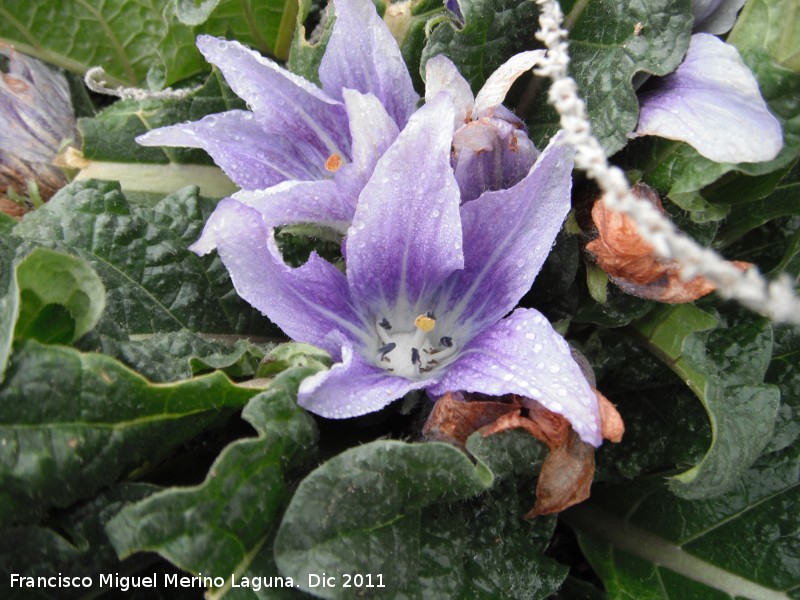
[(218, 526), (606, 52), (494, 30), (509, 453), (646, 543), (361, 512), (784, 371), (9, 297), (62, 297), (292, 354), (73, 423), (154, 283), (725, 369), (75, 545)]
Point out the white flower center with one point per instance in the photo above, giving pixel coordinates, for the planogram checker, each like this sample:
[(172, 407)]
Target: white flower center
[(412, 349)]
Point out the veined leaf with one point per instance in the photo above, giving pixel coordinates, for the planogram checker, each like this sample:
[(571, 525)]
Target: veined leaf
[(154, 283), (609, 43), (140, 41), (647, 544), (73, 423), (725, 369), (217, 527)]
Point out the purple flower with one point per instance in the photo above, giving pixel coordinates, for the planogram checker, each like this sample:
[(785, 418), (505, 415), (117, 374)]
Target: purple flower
[(713, 103), (429, 284), (491, 148), (36, 118), (319, 144)]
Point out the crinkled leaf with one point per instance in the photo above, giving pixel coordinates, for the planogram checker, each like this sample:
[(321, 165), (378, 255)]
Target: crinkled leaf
[(141, 41), (308, 47), (215, 528), (75, 543), (394, 509), (509, 453), (725, 369), (606, 52), (154, 283), (48, 280), (784, 371), (363, 512), (647, 543), (164, 357), (292, 354), (493, 31), (73, 423)]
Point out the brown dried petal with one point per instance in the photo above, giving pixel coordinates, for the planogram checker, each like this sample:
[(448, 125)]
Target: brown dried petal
[(12, 209), (565, 478), (630, 261), (453, 419), (610, 419)]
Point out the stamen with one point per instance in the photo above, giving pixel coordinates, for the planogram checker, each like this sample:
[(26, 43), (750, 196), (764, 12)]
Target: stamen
[(425, 322), (430, 315), (385, 324), (447, 342), (333, 163), (414, 356), (386, 348)]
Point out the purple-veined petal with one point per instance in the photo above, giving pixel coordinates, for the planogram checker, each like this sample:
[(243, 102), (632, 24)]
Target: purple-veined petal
[(523, 355), (490, 154), (307, 303), (406, 233), (325, 203), (715, 16), (252, 158), (352, 388), (362, 55), (713, 103), (371, 128), (496, 87), (280, 100), (441, 75), (454, 7), (507, 237)]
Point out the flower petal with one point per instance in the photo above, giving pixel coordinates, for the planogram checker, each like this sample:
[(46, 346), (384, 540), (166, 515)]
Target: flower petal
[(507, 236), (280, 100), (352, 388), (713, 103), (307, 303), (371, 128), (715, 16), (441, 75), (523, 355), (362, 55), (251, 157), (324, 203), (496, 87), (406, 233)]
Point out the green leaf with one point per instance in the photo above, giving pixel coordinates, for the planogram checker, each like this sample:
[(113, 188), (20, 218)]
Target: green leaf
[(308, 47), (509, 453), (784, 371), (9, 297), (361, 512), (606, 53), (74, 544), (138, 42), (182, 354), (74, 423), (154, 283), (293, 354), (48, 279), (647, 544), (770, 25), (216, 528), (494, 30), (725, 369)]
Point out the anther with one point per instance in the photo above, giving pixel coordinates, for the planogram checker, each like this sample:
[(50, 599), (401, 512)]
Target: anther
[(425, 322), (414, 356), (447, 342), (385, 349), (385, 324), (333, 163)]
